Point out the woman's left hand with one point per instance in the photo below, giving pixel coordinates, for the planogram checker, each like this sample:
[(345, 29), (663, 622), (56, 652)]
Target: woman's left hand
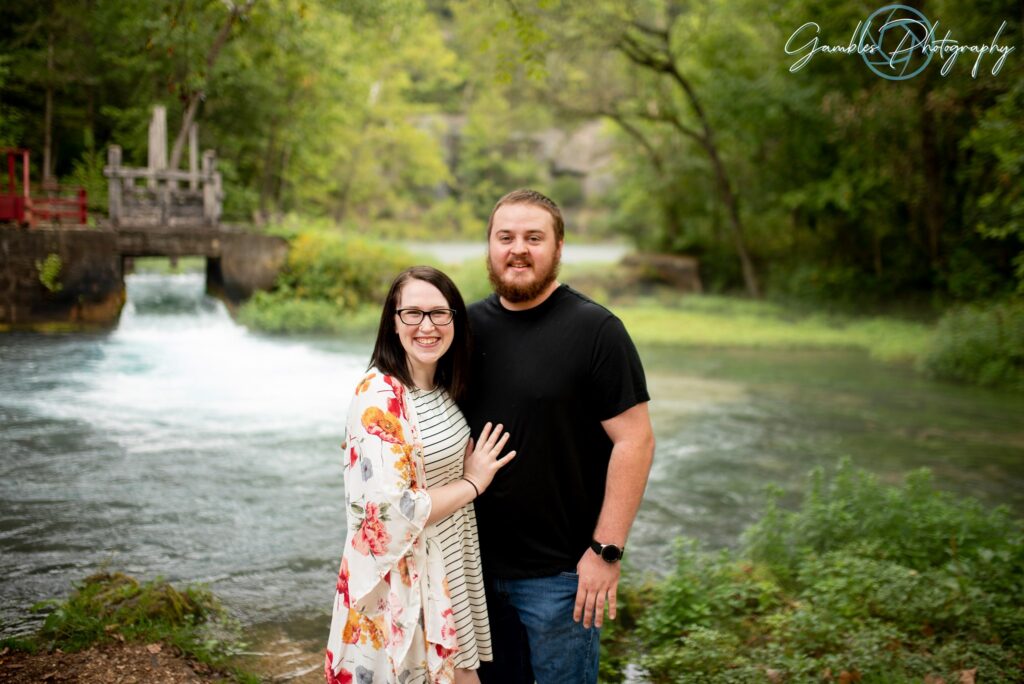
[(482, 461)]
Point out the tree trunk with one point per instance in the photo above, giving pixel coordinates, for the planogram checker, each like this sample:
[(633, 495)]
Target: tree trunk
[(341, 206), (750, 279), (933, 210), (876, 253), (48, 115), (282, 169), (196, 97), (267, 180), (661, 60)]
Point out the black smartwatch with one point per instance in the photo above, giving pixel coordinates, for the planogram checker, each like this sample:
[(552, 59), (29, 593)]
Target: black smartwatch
[(609, 553)]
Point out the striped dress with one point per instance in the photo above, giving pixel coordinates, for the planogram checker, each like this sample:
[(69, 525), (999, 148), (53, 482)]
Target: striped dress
[(444, 434)]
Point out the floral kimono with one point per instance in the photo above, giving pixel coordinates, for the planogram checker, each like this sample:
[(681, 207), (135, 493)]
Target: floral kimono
[(392, 619)]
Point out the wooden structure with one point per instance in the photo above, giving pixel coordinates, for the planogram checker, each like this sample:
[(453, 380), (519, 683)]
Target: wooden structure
[(169, 197), (46, 206)]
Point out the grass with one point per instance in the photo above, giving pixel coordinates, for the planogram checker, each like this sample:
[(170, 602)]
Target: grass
[(163, 265), (111, 606), (653, 315), (691, 320), (666, 317), (713, 321)]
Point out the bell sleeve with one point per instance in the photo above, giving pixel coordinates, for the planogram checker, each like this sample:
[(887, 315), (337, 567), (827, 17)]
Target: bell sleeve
[(385, 491)]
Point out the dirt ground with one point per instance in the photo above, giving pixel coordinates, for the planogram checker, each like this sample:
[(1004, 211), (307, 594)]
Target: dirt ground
[(108, 664), (276, 658)]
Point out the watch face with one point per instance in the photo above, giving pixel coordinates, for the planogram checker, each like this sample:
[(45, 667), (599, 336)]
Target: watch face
[(611, 553)]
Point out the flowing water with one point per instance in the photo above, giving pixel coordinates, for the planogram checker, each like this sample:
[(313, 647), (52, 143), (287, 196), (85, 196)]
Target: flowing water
[(182, 445)]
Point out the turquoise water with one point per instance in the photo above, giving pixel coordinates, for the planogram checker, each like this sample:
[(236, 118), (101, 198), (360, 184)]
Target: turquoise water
[(182, 445)]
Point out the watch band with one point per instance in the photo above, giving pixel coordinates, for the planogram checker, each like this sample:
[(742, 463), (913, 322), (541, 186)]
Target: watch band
[(610, 553)]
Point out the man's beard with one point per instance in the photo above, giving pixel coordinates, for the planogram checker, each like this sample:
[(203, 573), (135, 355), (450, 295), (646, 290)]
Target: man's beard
[(517, 293)]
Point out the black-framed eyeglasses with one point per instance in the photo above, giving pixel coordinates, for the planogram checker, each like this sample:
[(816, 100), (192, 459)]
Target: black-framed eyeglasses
[(415, 316)]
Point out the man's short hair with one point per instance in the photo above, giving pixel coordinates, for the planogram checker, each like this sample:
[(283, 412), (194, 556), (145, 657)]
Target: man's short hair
[(532, 197)]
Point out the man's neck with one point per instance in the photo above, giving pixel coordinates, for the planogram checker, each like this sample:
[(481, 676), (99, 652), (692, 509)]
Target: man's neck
[(530, 303)]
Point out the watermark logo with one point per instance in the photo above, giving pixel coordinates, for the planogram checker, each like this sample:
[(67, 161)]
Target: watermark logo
[(894, 31), (897, 43)]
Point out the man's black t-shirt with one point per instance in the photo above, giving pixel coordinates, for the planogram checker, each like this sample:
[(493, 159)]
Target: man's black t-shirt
[(550, 375)]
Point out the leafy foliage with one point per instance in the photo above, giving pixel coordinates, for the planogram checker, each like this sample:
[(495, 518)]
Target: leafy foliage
[(49, 272), (331, 283), (411, 118), (981, 344), (864, 582)]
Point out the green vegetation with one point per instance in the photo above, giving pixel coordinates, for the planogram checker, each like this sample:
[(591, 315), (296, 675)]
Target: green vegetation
[(882, 583), (331, 283), (49, 272), (164, 265), (113, 606), (728, 322), (335, 284), (980, 344), (409, 118)]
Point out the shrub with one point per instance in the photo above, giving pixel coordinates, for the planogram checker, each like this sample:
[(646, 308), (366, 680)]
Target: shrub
[(982, 344), (331, 283), (109, 606), (87, 172), (347, 271), (864, 582), (279, 312)]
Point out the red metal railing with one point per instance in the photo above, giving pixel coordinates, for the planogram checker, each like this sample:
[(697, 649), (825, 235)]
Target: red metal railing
[(13, 204), (18, 205), (56, 209)]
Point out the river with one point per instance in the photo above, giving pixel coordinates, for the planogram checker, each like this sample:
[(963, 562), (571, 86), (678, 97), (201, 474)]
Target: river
[(180, 444)]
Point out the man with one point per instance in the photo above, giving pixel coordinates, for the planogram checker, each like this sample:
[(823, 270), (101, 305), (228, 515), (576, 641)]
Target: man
[(562, 375)]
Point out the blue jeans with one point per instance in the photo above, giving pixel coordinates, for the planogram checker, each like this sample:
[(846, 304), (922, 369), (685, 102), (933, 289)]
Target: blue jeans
[(534, 635)]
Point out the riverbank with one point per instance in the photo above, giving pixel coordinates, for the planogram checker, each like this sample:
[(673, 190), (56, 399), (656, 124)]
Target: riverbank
[(653, 316), (115, 628), (333, 284), (863, 581), (118, 662)]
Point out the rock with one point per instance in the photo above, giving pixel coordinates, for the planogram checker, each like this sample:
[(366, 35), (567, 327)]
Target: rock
[(681, 272)]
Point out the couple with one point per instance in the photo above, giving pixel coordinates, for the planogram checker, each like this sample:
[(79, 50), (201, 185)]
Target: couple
[(562, 376)]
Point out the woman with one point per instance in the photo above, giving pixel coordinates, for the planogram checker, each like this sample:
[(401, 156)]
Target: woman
[(409, 605)]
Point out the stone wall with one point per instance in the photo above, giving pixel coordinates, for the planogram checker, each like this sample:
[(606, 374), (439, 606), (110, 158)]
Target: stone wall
[(87, 290), (248, 262)]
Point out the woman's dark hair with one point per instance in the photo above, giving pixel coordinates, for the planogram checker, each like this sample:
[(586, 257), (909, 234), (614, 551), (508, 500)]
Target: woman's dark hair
[(389, 355)]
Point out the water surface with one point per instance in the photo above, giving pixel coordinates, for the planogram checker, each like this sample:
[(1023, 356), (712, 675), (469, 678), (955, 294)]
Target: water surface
[(182, 445)]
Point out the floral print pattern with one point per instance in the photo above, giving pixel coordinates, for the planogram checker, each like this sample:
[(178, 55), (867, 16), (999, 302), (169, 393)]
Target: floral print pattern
[(392, 619), (342, 676), (387, 426), (371, 535)]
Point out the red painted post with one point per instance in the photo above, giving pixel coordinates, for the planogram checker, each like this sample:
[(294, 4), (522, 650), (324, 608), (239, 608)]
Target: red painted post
[(29, 214), (10, 173), (82, 218)]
